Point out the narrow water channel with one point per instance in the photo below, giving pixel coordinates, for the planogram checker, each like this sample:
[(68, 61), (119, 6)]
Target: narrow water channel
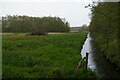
[(97, 62)]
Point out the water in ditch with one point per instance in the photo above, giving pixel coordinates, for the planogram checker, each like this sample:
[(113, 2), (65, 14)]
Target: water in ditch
[(97, 62)]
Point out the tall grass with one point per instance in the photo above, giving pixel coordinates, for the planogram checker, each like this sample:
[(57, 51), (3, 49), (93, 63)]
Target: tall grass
[(52, 56)]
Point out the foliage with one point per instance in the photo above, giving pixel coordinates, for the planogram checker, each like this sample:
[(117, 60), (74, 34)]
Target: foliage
[(34, 24), (84, 28), (73, 29), (52, 56), (104, 29)]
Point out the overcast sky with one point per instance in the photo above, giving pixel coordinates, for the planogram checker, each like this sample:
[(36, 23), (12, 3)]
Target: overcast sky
[(73, 11)]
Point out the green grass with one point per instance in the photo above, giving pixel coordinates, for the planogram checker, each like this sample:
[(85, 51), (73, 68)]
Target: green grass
[(51, 56)]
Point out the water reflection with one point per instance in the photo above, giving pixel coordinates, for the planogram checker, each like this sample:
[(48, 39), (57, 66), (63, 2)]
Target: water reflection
[(88, 48)]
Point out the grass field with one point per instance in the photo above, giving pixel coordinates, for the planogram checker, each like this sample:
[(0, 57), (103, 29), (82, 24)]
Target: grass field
[(51, 56)]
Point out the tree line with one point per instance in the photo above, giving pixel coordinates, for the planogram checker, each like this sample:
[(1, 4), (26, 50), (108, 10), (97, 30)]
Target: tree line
[(83, 28), (104, 29), (17, 23)]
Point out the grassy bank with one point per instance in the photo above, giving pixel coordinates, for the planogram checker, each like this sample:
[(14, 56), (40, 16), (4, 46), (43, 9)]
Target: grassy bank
[(105, 30), (110, 50), (51, 56)]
